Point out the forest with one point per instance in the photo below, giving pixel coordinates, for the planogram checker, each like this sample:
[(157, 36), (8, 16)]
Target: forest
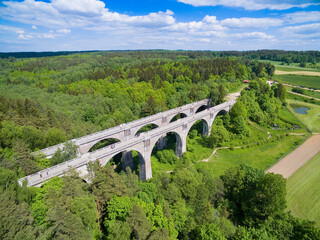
[(51, 99)]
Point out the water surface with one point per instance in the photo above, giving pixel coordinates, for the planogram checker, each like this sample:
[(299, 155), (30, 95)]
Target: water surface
[(299, 108)]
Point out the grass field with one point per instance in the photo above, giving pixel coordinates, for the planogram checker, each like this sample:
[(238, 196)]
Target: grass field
[(306, 92), (311, 119), (303, 191), (259, 156), (302, 98), (306, 81), (291, 67)]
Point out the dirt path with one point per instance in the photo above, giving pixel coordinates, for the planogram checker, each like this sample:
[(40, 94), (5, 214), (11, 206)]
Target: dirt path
[(296, 159), (305, 73)]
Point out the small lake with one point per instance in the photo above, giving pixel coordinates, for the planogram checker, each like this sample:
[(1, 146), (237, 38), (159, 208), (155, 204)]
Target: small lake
[(299, 108)]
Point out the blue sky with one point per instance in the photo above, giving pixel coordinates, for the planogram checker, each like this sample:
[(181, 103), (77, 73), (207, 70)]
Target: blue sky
[(67, 25)]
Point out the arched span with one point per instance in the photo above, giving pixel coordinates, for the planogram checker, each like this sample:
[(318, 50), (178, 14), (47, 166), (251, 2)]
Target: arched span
[(178, 116), (127, 160), (202, 108), (221, 113), (179, 143), (103, 143), (201, 125), (146, 128)]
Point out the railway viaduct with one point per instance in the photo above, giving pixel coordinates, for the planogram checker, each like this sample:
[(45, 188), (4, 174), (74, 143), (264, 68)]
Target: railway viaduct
[(130, 140)]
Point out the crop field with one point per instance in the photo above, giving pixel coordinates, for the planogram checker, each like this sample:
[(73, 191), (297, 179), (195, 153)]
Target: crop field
[(311, 119), (297, 72), (303, 189), (306, 81)]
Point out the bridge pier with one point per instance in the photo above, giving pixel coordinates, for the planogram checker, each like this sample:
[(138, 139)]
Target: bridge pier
[(162, 142), (127, 160), (145, 170), (181, 145), (206, 128)]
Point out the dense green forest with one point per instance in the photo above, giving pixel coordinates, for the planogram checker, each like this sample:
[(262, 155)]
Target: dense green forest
[(48, 100), (272, 55)]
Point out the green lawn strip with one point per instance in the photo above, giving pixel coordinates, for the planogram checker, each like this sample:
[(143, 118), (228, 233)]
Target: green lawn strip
[(300, 80), (291, 67), (285, 116), (302, 98), (303, 191), (306, 92), (311, 119), (294, 68), (258, 156)]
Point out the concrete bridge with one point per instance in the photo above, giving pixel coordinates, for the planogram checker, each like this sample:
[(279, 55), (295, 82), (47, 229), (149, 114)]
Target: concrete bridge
[(130, 141)]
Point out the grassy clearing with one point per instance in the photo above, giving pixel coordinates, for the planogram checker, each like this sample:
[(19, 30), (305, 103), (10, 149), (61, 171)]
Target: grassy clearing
[(302, 99), (311, 119), (306, 81), (303, 189), (259, 156), (288, 118), (292, 66), (307, 92)]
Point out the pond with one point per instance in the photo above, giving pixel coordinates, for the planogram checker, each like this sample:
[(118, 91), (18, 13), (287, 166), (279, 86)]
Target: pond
[(299, 108)]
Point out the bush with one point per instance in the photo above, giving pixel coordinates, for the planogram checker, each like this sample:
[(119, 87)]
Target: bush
[(167, 156)]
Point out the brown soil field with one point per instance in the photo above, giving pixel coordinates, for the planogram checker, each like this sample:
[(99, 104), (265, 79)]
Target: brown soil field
[(296, 159), (306, 73)]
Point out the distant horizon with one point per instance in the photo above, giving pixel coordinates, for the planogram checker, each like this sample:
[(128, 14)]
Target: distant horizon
[(182, 50), (194, 25)]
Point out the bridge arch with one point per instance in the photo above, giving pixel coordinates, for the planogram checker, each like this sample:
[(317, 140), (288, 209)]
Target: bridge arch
[(205, 126), (132, 158), (145, 128), (102, 143), (178, 116), (180, 144), (201, 108)]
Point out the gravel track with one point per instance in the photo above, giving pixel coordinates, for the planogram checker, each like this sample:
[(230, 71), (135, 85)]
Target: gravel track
[(296, 159)]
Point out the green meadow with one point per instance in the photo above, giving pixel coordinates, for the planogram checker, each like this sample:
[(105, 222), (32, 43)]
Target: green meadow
[(311, 119), (300, 80), (303, 191)]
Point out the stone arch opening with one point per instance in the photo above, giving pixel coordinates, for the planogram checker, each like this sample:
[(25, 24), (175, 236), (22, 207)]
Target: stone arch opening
[(131, 158), (222, 113), (170, 153), (178, 116), (146, 128), (104, 143), (196, 138), (202, 108), (199, 128)]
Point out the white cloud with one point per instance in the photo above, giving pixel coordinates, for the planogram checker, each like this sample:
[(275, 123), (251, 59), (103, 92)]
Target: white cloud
[(253, 35), (25, 37), (251, 22), (9, 29), (45, 35), (111, 30), (79, 7), (64, 31), (252, 4), (302, 17), (305, 30)]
